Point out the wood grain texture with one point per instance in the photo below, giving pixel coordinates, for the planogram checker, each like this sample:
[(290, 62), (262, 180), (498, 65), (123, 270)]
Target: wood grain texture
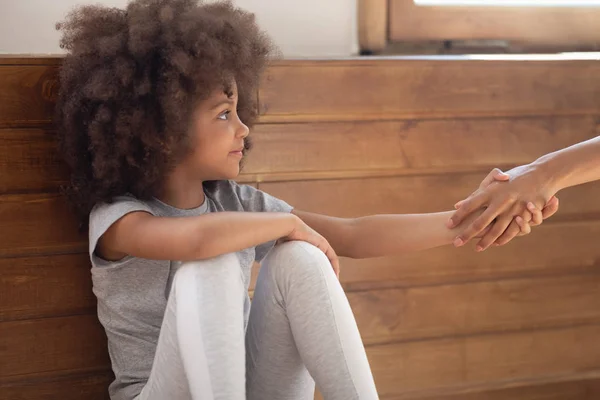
[(407, 194), (553, 248), (31, 59), (407, 368), (393, 89), (415, 313), (27, 94), (76, 386), (583, 386), (47, 286), (365, 89), (29, 161), (36, 224), (415, 145), (76, 343)]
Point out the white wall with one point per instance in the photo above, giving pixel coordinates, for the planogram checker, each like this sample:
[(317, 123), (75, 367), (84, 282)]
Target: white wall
[(301, 28)]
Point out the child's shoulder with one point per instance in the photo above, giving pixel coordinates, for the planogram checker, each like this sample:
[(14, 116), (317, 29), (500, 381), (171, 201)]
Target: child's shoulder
[(227, 194), (233, 196), (120, 203), (105, 213)]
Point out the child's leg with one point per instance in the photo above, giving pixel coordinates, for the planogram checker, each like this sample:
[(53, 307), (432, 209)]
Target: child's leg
[(200, 353), (301, 316)]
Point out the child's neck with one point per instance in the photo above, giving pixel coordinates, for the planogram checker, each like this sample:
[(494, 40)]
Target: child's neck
[(181, 192)]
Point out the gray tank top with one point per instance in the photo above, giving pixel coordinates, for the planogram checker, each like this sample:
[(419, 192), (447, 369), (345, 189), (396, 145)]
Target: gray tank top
[(132, 292)]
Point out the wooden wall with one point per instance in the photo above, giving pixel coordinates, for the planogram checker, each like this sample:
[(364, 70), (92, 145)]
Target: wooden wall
[(349, 138)]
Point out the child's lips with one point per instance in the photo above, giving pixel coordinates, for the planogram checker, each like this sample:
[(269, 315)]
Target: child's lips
[(238, 153)]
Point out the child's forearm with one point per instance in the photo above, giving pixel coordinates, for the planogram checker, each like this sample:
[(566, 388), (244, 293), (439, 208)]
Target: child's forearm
[(194, 238), (222, 233), (383, 235)]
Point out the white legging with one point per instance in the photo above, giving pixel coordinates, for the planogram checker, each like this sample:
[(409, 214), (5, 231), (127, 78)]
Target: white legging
[(301, 330)]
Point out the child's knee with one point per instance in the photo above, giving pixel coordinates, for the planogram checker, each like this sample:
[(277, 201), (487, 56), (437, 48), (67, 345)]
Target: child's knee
[(297, 260)]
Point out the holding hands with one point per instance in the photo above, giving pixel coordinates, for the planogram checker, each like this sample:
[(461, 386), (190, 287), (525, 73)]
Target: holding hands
[(511, 204)]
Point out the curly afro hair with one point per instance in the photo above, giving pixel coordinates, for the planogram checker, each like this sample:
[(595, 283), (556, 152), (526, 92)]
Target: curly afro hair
[(131, 80)]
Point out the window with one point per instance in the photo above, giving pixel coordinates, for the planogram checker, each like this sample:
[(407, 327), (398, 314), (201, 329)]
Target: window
[(512, 25), (538, 24), (510, 3)]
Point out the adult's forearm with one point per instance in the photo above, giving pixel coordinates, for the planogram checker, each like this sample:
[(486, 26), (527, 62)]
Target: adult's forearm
[(571, 166)]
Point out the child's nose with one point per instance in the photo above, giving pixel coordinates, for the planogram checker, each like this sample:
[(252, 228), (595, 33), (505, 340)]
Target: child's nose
[(243, 130)]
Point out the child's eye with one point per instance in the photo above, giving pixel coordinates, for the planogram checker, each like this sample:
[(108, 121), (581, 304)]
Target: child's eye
[(224, 115)]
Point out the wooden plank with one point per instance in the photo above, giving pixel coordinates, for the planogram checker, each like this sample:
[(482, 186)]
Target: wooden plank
[(362, 173), (76, 343), (572, 389), (27, 94), (415, 145), (403, 314), (366, 89), (88, 386), (447, 88), (31, 59), (35, 224), (552, 248), (407, 194), (542, 26), (413, 367), (50, 286), (29, 160)]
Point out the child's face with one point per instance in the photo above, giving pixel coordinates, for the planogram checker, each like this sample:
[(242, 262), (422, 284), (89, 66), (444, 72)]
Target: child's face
[(217, 138)]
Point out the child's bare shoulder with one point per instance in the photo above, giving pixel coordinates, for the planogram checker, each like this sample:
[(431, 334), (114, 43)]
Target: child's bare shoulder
[(103, 222)]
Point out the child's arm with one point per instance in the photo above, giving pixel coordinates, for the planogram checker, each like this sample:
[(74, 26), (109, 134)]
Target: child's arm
[(143, 235), (382, 235)]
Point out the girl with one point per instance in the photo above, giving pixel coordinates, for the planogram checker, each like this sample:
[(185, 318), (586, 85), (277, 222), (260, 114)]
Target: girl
[(154, 113)]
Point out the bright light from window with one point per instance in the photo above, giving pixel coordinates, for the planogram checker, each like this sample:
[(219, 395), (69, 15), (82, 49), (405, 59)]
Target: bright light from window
[(511, 3)]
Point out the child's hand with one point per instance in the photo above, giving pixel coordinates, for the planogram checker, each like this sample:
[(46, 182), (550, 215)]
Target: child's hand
[(305, 233), (520, 226)]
